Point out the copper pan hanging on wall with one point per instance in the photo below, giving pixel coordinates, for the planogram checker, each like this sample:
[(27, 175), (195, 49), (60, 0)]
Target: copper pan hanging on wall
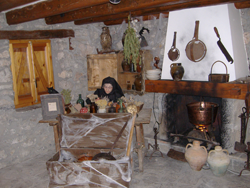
[(174, 53), (196, 49)]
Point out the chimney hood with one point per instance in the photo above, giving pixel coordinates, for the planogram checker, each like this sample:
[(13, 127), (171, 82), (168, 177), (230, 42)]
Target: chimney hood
[(226, 18)]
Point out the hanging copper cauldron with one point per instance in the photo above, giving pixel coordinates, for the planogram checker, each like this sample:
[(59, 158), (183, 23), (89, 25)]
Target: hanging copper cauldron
[(201, 113)]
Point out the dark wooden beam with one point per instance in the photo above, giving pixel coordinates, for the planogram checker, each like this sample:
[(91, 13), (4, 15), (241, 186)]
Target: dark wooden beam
[(131, 5), (144, 18), (9, 4), (36, 34), (222, 90), (108, 9), (48, 8), (245, 4), (118, 18)]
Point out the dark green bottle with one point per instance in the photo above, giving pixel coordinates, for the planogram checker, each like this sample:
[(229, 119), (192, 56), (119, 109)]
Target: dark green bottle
[(80, 100)]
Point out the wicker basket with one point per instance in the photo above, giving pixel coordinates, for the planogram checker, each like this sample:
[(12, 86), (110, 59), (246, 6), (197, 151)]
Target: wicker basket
[(221, 78)]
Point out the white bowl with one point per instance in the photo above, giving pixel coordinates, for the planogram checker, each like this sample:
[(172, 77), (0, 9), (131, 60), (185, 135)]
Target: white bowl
[(152, 74), (153, 77), (153, 71)]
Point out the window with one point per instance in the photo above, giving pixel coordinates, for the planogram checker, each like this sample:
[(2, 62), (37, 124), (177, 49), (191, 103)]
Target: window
[(32, 70)]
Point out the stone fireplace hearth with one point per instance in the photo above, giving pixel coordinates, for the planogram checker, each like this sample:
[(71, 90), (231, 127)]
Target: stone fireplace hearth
[(176, 107), (227, 124)]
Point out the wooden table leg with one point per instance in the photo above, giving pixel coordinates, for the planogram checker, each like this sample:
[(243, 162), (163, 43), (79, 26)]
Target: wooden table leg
[(140, 144), (142, 133), (56, 136)]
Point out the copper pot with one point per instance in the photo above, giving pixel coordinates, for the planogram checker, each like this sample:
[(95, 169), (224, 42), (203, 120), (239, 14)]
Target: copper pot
[(201, 113)]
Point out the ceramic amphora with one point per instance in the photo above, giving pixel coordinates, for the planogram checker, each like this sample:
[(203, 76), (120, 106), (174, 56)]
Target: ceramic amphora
[(218, 160), (196, 155)]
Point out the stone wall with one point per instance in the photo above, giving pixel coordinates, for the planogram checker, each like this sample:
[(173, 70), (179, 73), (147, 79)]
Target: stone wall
[(22, 137)]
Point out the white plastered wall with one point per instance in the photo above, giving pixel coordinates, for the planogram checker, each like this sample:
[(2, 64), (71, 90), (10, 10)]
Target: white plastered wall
[(227, 20)]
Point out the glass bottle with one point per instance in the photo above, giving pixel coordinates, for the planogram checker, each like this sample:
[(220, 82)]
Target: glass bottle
[(112, 109), (122, 109), (132, 67), (80, 100), (128, 85), (93, 107)]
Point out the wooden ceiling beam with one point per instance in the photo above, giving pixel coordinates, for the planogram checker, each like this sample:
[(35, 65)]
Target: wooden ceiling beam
[(37, 34), (9, 4), (107, 9), (241, 5), (48, 8), (144, 18), (131, 5), (118, 18), (122, 16)]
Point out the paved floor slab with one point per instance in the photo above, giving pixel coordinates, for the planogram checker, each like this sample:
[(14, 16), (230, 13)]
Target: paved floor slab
[(158, 173)]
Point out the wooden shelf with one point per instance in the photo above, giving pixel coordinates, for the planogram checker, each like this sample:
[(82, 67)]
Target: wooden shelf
[(124, 77), (133, 92), (135, 73), (231, 90)]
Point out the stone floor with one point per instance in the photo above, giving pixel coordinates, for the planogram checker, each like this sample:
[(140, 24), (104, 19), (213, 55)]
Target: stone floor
[(158, 173)]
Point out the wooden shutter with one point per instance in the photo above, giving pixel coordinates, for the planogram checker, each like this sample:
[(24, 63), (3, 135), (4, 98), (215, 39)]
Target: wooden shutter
[(32, 70)]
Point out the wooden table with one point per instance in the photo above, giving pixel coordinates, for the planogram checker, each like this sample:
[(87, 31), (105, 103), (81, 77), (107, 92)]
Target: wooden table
[(143, 117), (53, 123)]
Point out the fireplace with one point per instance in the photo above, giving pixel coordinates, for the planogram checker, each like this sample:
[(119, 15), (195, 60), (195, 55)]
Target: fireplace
[(178, 121), (225, 130)]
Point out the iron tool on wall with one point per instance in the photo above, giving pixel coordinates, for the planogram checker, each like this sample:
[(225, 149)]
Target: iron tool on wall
[(222, 47)]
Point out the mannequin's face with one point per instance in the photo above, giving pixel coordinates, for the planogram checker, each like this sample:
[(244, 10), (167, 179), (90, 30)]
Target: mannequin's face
[(107, 88)]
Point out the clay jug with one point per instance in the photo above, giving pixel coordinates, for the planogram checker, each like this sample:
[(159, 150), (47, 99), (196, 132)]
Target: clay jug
[(196, 155), (112, 109), (218, 160), (176, 71), (138, 67), (125, 66)]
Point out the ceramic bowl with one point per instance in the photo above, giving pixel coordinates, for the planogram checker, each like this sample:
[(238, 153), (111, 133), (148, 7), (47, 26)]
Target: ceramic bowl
[(153, 72), (150, 77)]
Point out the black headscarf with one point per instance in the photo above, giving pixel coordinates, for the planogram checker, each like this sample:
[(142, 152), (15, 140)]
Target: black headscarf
[(115, 94)]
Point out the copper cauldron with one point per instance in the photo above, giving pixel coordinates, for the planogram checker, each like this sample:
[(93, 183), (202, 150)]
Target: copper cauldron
[(201, 113)]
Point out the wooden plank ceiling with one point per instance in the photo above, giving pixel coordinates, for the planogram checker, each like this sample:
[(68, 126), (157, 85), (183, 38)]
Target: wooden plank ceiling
[(90, 11)]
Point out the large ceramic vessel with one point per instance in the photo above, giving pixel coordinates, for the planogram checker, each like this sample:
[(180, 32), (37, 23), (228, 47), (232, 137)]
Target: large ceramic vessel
[(176, 71), (218, 160), (196, 155)]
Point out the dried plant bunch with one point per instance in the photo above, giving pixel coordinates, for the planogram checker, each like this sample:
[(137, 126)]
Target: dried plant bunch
[(131, 108), (102, 103), (132, 46), (67, 95), (131, 101), (92, 97)]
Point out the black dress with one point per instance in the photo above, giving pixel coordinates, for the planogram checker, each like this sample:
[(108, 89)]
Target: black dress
[(115, 94)]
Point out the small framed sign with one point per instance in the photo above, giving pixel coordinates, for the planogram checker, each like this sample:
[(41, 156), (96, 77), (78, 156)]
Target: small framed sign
[(52, 105)]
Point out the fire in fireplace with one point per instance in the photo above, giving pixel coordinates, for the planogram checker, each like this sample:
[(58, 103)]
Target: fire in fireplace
[(191, 117)]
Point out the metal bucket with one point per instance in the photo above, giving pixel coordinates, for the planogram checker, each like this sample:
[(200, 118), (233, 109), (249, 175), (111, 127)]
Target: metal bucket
[(202, 113)]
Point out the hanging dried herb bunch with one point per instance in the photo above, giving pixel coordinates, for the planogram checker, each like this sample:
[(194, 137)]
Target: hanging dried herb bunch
[(132, 46)]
